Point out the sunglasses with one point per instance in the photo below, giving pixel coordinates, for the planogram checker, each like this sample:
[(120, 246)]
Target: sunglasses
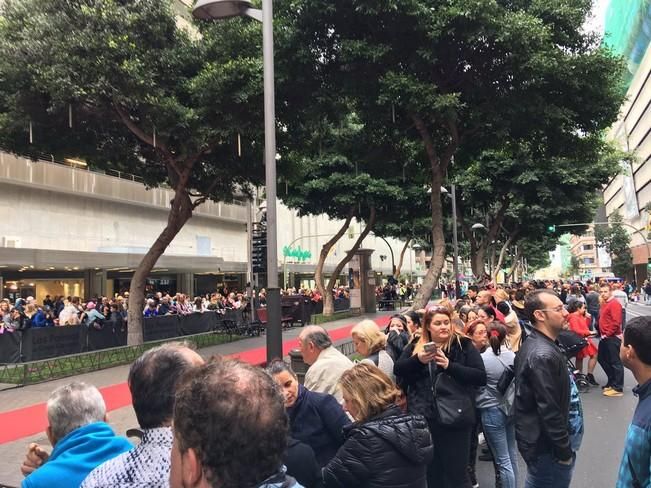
[(438, 309)]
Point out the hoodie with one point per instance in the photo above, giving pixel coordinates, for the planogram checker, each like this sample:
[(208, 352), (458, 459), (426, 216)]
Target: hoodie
[(390, 450), (76, 455)]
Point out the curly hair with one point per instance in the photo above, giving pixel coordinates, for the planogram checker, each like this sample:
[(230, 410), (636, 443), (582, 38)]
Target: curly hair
[(233, 416)]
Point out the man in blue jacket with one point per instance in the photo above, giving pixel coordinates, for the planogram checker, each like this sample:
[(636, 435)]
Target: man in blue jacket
[(635, 353), (81, 438)]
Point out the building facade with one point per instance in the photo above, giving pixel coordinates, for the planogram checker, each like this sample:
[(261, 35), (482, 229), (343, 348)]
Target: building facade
[(627, 32), (71, 231)]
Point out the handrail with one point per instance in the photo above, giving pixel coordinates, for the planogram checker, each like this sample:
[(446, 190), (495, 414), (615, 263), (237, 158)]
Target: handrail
[(43, 158), (49, 159)]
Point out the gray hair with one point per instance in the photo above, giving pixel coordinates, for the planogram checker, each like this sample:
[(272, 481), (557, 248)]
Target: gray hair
[(72, 406), (278, 366), (317, 336)]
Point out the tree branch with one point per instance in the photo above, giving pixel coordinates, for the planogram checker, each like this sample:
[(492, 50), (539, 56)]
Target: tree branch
[(349, 255), (140, 134), (427, 139), (500, 259)]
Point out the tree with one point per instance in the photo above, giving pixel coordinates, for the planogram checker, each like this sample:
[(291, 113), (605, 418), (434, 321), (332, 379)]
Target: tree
[(575, 266), (617, 242), (518, 192), (459, 77), (335, 170), (144, 96)]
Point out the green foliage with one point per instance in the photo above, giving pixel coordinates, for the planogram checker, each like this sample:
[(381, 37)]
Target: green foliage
[(127, 71), (516, 82), (616, 241), (575, 266)]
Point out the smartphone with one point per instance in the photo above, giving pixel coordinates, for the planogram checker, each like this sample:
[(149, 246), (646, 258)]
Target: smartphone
[(429, 347)]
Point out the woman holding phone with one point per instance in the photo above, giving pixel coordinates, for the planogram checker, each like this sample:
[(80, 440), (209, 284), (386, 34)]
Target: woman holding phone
[(441, 349)]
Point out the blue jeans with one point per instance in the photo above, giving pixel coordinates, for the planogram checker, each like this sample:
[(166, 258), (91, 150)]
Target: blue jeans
[(546, 472), (499, 431)]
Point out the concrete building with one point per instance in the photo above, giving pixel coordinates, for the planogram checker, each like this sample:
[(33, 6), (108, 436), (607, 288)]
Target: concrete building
[(629, 194), (71, 231)]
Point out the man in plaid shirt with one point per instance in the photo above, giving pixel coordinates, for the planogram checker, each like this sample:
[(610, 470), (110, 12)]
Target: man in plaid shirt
[(634, 471)]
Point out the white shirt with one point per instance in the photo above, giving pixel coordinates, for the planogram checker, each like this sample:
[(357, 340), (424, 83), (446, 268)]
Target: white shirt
[(324, 374), (621, 297)]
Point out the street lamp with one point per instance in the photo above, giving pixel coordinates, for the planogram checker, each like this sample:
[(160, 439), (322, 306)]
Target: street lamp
[(455, 243), (221, 9)]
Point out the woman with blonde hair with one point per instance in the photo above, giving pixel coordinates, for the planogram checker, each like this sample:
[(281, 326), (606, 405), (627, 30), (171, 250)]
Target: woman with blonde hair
[(370, 342), (443, 350), (384, 447)]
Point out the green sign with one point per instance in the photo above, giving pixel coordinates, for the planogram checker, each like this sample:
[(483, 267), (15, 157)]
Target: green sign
[(299, 254)]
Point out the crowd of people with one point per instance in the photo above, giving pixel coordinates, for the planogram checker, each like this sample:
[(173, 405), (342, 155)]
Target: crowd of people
[(406, 413), (61, 311), (72, 310)]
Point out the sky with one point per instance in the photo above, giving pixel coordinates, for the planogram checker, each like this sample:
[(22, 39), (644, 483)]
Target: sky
[(596, 23)]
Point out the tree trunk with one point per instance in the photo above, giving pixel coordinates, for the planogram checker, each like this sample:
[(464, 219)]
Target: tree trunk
[(328, 301), (500, 259), (438, 245), (514, 267), (180, 212), (477, 261), (438, 164), (329, 307), (396, 273)]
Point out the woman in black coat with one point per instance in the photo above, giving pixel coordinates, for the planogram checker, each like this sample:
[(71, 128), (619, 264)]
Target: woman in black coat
[(441, 349), (384, 448)]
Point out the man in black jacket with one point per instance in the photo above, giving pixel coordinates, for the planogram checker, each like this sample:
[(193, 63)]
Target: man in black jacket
[(543, 396)]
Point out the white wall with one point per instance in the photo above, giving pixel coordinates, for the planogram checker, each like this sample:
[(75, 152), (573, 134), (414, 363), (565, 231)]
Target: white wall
[(43, 219), (313, 232)]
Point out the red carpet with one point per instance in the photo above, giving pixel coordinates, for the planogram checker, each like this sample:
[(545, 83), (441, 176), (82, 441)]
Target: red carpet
[(31, 420)]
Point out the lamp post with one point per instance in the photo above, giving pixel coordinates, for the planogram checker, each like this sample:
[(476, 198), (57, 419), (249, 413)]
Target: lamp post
[(455, 242), (221, 9)]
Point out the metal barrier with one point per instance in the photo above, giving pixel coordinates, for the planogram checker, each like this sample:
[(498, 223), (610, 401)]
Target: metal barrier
[(60, 367)]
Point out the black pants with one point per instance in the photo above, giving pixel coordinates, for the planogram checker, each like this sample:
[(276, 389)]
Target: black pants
[(451, 452), (608, 357)]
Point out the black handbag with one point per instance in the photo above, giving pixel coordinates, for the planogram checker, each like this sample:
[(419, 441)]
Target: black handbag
[(453, 402), (507, 377)]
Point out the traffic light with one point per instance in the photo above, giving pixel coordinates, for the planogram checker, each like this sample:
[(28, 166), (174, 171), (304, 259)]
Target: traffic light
[(551, 229), (259, 248)]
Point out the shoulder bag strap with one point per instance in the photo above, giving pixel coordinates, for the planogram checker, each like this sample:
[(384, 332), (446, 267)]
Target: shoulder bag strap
[(503, 363)]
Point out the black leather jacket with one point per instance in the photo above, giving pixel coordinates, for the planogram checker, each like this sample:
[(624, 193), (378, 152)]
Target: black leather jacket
[(391, 450), (542, 399)]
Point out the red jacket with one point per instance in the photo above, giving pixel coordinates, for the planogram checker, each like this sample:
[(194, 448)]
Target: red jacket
[(610, 318), (579, 324)]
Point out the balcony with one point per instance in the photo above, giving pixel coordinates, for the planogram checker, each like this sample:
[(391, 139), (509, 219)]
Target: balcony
[(115, 187)]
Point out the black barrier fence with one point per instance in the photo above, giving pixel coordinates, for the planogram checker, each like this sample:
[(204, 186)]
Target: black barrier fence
[(49, 342), (340, 304)]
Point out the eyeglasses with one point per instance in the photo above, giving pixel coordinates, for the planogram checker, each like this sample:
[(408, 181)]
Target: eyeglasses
[(555, 309)]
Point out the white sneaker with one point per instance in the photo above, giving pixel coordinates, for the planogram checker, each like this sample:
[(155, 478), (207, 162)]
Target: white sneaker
[(482, 441)]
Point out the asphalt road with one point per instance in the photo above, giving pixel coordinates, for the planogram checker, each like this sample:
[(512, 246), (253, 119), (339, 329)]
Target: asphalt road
[(606, 422)]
